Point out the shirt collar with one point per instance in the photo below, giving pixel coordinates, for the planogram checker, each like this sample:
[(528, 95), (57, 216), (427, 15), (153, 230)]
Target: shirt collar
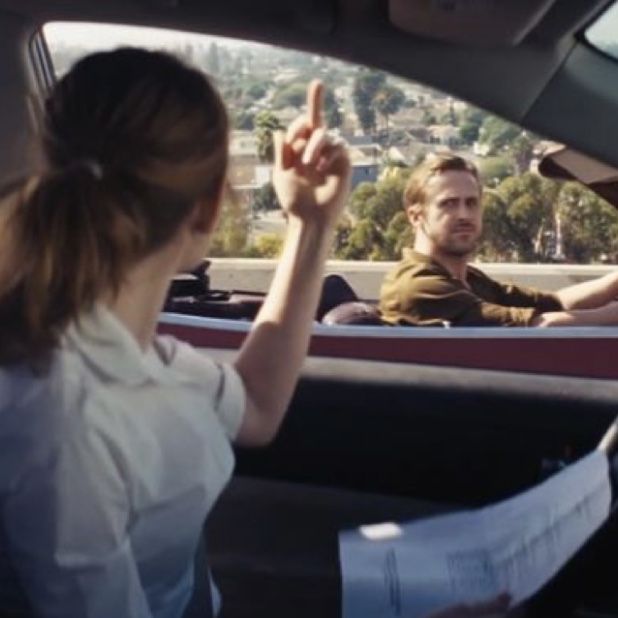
[(110, 349), (416, 256), (472, 274)]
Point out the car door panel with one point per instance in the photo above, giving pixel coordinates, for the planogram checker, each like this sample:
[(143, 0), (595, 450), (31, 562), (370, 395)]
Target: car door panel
[(366, 442)]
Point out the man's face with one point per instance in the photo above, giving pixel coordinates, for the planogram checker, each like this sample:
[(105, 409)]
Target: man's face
[(451, 219)]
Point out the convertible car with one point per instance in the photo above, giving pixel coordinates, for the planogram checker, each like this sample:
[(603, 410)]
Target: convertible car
[(347, 327), (461, 419)]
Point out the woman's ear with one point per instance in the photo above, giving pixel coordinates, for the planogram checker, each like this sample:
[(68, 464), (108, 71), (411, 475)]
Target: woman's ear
[(207, 210), (204, 216)]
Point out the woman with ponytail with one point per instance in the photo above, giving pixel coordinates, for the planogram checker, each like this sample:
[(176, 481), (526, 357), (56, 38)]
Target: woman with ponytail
[(115, 442)]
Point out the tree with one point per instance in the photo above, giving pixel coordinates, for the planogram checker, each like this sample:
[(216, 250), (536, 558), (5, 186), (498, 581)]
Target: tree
[(497, 133), (266, 246), (588, 225), (265, 123), (399, 234), (244, 120), (293, 95), (470, 124), (332, 113), (362, 243), (232, 233), (522, 150), (495, 169), (377, 227), (388, 101), (366, 85), (256, 91), (525, 218), (428, 118), (497, 244), (265, 198), (213, 63)]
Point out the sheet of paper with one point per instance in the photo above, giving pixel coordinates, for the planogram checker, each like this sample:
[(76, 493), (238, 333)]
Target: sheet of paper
[(391, 570)]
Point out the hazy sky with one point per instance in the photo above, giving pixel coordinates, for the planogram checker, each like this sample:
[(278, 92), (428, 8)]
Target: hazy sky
[(606, 28), (99, 36)]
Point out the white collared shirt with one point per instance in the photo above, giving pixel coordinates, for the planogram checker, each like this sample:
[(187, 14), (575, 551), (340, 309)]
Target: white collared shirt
[(109, 464)]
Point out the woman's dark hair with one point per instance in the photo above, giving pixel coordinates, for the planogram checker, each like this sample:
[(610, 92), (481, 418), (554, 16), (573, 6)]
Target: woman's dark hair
[(132, 140)]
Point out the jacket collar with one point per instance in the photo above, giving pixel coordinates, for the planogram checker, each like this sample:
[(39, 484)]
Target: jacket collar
[(409, 254)]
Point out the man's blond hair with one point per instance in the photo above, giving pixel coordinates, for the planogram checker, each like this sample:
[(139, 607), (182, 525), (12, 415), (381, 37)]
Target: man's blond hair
[(415, 194)]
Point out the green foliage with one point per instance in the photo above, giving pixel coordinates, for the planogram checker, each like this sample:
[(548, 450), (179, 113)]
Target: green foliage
[(521, 227), (377, 227), (366, 85), (468, 133), (256, 91), (497, 244), (388, 100), (371, 94), (497, 133), (378, 202), (470, 124), (495, 169), (361, 242), (332, 112), (265, 123), (589, 225), (522, 149), (266, 246), (532, 219), (526, 219), (293, 95), (398, 234), (232, 234), (531, 202), (265, 198), (244, 120), (428, 118)]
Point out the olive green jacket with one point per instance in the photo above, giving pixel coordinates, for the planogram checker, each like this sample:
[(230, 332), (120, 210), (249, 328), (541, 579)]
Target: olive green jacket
[(420, 291)]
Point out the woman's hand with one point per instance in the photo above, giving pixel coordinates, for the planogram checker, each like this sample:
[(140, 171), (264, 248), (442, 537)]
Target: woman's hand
[(311, 177), (311, 173)]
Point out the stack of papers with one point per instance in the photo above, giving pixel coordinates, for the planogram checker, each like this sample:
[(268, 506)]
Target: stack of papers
[(515, 546)]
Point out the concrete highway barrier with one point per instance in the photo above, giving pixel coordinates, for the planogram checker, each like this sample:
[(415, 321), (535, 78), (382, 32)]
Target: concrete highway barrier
[(366, 277)]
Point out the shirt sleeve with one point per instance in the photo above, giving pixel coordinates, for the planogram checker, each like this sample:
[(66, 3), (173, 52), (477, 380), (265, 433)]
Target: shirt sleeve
[(66, 526), (520, 296), (222, 386), (429, 300)]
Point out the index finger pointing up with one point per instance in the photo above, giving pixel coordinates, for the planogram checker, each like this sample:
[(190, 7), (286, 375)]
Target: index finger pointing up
[(315, 92)]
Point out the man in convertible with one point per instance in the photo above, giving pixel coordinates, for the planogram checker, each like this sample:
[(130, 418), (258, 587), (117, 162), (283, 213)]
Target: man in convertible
[(435, 285)]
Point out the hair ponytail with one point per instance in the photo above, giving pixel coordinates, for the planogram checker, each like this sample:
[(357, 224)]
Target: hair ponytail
[(66, 247), (132, 139)]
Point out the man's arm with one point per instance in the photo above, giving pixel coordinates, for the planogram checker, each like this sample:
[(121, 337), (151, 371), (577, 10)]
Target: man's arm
[(429, 299), (600, 316), (590, 294)]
